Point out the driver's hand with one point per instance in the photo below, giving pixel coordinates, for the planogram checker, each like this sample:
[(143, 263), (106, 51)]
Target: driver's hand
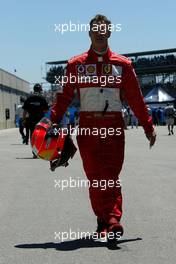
[(151, 137)]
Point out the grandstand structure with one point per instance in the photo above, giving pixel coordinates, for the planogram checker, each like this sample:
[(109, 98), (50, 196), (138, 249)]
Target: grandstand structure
[(152, 68), (156, 67)]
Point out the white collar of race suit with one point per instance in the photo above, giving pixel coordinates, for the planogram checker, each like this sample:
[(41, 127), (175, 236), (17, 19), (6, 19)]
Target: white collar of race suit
[(99, 58)]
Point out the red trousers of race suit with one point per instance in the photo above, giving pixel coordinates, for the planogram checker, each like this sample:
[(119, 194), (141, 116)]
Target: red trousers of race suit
[(102, 161)]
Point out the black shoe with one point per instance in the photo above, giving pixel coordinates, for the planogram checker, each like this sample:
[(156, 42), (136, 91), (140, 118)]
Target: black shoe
[(34, 156), (101, 228), (172, 132)]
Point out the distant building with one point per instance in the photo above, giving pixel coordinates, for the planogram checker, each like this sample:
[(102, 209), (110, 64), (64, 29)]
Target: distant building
[(11, 88)]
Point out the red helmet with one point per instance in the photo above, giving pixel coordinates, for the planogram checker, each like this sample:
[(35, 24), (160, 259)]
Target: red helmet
[(56, 147)]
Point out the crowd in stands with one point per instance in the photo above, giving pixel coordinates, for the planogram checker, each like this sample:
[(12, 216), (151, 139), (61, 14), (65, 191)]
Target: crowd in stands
[(154, 61), (54, 71)]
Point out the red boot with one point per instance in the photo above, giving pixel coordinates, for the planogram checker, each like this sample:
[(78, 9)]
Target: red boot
[(115, 230)]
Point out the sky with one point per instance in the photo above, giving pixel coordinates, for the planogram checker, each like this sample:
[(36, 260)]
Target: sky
[(29, 37)]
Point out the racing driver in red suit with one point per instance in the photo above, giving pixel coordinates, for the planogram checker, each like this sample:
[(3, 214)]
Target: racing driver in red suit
[(101, 107)]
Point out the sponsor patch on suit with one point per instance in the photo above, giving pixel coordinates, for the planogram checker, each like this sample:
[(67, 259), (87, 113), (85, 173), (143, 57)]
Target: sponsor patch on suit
[(91, 69), (81, 69), (107, 69), (116, 70)]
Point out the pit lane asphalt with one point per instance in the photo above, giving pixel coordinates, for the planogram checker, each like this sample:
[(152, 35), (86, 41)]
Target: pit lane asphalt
[(33, 208)]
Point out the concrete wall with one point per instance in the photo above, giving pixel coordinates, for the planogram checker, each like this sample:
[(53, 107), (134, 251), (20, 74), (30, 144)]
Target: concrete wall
[(11, 88)]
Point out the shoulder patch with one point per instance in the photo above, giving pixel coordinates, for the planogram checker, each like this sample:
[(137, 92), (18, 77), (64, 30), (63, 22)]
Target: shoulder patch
[(121, 58), (78, 58)]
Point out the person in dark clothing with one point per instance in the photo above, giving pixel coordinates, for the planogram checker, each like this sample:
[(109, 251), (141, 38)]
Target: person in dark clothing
[(170, 112), (35, 106), (154, 117), (24, 130), (159, 116)]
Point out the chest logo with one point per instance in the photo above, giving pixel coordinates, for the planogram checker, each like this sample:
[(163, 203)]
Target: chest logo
[(116, 70), (81, 69), (91, 69), (107, 69)]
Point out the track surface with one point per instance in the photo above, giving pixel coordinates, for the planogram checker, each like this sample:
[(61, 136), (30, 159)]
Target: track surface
[(34, 209)]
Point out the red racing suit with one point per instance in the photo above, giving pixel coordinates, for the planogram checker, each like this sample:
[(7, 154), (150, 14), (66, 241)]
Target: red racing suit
[(100, 110)]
